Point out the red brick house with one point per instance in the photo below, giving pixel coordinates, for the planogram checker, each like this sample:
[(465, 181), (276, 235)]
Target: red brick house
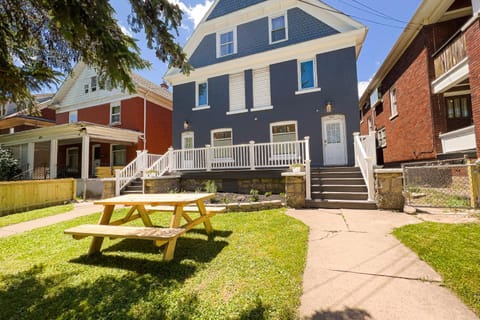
[(424, 101), (95, 126)]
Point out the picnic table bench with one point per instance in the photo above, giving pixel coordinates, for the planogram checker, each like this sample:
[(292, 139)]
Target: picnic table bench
[(145, 204)]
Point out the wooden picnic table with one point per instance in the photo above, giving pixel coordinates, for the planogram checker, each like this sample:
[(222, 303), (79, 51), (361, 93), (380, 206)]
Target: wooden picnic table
[(141, 206)]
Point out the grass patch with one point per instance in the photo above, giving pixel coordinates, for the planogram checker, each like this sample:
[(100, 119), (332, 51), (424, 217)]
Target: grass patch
[(250, 269), (452, 250), (34, 214)]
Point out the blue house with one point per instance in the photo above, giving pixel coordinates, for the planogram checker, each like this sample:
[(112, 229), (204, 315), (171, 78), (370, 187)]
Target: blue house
[(270, 71)]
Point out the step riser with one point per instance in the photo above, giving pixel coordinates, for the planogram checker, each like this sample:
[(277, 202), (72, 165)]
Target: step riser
[(339, 196), (337, 175), (340, 188), (331, 181), (336, 169), (344, 205)]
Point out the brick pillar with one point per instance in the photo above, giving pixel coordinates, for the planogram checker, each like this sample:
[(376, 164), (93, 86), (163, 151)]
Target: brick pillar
[(295, 189), (472, 36)]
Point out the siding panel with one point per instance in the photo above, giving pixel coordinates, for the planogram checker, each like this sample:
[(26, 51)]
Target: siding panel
[(261, 87)]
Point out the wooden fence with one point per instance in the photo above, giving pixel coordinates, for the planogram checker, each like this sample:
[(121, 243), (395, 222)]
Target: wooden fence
[(18, 196)]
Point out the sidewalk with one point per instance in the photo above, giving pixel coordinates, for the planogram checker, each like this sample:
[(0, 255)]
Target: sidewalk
[(357, 270), (79, 210)]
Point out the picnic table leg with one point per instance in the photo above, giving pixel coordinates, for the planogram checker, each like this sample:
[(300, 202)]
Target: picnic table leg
[(144, 215), (96, 244), (174, 223), (203, 212)]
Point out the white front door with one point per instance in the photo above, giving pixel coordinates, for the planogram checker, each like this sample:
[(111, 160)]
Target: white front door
[(334, 144), (187, 155)]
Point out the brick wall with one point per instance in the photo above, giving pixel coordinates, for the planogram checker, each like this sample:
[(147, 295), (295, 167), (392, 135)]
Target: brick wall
[(472, 36)]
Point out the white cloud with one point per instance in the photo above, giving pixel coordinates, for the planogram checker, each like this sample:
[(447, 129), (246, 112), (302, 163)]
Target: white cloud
[(125, 30), (362, 86), (195, 13)]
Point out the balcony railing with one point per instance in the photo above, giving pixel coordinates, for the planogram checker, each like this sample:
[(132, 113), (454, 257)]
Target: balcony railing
[(458, 140), (450, 55)]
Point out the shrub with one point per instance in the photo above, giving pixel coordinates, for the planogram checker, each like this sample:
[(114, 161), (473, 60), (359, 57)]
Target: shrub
[(254, 195), (9, 166), (210, 186)]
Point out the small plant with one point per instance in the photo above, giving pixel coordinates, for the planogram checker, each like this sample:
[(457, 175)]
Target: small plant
[(210, 186), (283, 196), (254, 195), (268, 194), (225, 199), (151, 173), (296, 167), (198, 190)]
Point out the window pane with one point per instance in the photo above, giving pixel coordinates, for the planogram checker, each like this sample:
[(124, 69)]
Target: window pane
[(457, 108), (464, 107), (278, 23), (72, 117), (226, 49), (93, 83), (450, 108), (115, 109), (278, 35), (333, 133), (306, 69), (119, 154), (202, 94), (226, 37)]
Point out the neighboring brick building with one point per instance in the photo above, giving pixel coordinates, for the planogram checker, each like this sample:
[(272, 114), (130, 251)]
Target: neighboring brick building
[(94, 125), (424, 101)]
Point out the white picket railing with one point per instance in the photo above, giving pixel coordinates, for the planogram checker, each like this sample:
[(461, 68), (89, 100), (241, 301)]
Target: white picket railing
[(365, 158), (134, 169)]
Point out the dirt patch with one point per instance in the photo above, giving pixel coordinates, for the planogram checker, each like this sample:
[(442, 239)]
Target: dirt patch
[(225, 197)]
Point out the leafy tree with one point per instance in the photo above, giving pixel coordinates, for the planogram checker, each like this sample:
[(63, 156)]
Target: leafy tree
[(40, 40), (9, 166)]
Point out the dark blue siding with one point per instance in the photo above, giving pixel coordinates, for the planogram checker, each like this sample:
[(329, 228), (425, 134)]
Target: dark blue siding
[(252, 38), (248, 89), (224, 7), (336, 76)]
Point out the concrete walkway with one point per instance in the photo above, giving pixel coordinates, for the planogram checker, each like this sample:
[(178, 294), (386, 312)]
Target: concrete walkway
[(79, 210), (357, 270)]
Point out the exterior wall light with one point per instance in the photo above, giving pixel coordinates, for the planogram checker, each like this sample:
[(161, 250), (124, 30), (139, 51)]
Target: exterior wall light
[(186, 125), (329, 107)]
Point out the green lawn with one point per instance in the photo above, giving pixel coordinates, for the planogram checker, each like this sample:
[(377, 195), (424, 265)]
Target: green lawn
[(452, 250), (251, 269), (34, 214)]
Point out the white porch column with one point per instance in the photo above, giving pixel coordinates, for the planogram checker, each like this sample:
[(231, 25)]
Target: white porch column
[(85, 155), (476, 6), (31, 157), (53, 158)]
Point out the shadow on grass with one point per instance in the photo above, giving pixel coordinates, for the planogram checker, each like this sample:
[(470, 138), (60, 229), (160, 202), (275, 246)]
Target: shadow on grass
[(346, 314), (32, 295)]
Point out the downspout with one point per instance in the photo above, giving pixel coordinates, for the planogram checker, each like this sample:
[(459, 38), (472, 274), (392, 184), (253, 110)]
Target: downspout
[(145, 121)]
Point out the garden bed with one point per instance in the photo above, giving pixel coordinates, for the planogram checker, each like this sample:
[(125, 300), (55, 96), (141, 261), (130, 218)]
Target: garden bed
[(246, 202)]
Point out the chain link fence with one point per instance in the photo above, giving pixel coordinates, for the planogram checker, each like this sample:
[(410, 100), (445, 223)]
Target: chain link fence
[(437, 184)]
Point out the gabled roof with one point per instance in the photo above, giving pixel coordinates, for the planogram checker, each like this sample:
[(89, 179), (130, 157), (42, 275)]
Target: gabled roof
[(427, 13), (246, 11), (142, 85)]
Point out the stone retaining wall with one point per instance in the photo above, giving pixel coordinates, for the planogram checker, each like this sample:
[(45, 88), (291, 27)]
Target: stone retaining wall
[(389, 189)]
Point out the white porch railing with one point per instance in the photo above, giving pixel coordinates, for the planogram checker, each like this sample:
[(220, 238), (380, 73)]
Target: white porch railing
[(249, 156), (134, 169), (365, 158)]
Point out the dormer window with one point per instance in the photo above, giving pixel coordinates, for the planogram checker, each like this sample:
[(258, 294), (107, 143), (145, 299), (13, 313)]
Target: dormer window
[(226, 43), (278, 28)]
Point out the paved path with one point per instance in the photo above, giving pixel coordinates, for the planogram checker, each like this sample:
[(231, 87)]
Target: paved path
[(357, 270), (79, 210)]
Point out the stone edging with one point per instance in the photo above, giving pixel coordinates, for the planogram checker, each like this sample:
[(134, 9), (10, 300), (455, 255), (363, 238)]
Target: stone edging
[(249, 206)]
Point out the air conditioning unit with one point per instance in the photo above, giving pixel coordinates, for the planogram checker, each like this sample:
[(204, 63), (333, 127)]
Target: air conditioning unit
[(375, 97)]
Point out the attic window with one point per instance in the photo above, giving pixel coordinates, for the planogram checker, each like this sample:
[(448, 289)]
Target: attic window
[(93, 84), (86, 88), (226, 43), (278, 28)]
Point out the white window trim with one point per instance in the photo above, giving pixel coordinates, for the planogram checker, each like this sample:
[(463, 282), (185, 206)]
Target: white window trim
[(288, 156), (111, 153), (236, 111), (234, 29), (393, 114), (383, 142), (284, 14), (112, 105), (254, 109), (203, 106), (214, 159), (315, 87), (74, 112)]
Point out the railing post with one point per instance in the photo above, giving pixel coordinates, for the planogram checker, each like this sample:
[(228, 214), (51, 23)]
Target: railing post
[(355, 147), (308, 180), (170, 159), (251, 149), (117, 182), (370, 179), (208, 157)]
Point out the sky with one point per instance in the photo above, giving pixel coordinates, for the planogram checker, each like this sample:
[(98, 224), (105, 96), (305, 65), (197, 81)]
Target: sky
[(385, 20)]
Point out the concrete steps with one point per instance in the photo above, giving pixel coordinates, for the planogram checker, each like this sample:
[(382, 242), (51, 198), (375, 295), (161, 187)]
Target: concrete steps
[(339, 187), (134, 187)]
